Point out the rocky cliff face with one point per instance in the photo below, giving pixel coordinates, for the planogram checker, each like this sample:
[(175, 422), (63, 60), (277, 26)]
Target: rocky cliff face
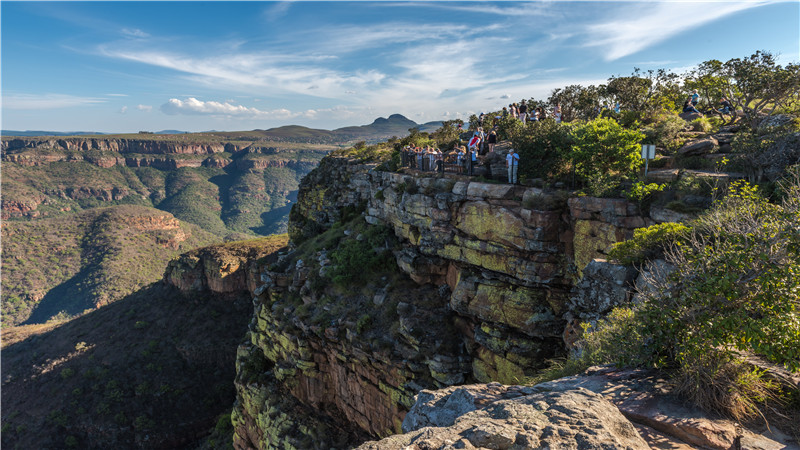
[(118, 145), (478, 291)]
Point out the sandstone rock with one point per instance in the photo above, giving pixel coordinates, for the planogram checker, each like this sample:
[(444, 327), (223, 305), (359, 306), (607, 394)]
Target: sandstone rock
[(724, 137), (488, 190), (690, 116), (699, 147), (654, 274), (603, 286), (641, 398), (565, 419), (662, 215), (770, 123)]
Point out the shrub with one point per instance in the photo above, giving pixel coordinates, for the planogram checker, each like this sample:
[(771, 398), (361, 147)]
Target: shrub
[(664, 131), (735, 288), (363, 322), (354, 261), (643, 194), (543, 147), (701, 124), (602, 147), (648, 243)]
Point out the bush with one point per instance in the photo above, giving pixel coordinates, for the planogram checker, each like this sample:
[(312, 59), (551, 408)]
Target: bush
[(648, 243), (664, 132), (643, 194), (543, 147), (701, 124), (355, 261), (602, 147), (735, 288)]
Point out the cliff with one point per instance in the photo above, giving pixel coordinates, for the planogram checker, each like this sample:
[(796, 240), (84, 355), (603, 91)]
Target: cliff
[(461, 281)]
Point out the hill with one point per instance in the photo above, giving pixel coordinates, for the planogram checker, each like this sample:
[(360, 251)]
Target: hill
[(79, 261), (152, 370)]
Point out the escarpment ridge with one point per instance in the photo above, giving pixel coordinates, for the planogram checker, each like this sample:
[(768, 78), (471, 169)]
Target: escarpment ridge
[(474, 285), (457, 281)]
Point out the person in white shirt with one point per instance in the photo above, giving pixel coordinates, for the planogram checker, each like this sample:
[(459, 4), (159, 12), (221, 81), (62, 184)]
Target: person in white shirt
[(512, 163)]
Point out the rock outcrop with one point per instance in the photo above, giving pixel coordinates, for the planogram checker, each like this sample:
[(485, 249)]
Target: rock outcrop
[(602, 408), (485, 272), (576, 418)]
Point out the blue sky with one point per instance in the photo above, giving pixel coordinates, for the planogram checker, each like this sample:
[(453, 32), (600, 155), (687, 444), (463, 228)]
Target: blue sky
[(194, 66)]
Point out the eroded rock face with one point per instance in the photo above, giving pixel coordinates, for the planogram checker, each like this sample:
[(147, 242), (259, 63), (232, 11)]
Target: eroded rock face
[(575, 418), (495, 262)]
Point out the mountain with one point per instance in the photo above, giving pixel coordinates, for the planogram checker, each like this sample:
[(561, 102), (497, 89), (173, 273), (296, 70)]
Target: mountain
[(379, 130), (48, 133)]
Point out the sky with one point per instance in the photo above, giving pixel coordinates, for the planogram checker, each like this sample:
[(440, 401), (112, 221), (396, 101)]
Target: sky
[(198, 66)]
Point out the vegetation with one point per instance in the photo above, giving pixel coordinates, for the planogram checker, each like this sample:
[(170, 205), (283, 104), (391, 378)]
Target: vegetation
[(603, 148), (77, 262), (735, 288)]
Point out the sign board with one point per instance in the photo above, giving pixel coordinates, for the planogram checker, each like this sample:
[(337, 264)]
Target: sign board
[(648, 151)]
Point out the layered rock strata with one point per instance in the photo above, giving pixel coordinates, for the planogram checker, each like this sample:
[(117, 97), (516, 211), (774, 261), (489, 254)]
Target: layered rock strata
[(496, 264)]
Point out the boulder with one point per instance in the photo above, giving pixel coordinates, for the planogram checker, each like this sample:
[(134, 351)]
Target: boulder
[(690, 116), (770, 123), (699, 147), (576, 418), (724, 137), (662, 215), (603, 286)]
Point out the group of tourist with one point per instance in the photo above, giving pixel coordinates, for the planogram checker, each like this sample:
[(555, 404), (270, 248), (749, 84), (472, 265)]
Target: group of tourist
[(426, 159), (521, 112), (690, 105), (461, 159)]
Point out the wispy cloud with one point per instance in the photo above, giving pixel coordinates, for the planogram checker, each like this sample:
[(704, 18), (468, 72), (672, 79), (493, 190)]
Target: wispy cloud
[(277, 11), (638, 26), (145, 108), (134, 33), (512, 9), (47, 101)]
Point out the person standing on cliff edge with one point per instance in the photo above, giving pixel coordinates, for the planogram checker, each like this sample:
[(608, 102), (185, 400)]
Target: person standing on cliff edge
[(512, 163)]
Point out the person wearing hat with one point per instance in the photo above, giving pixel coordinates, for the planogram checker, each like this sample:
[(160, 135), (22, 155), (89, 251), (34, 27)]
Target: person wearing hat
[(512, 163)]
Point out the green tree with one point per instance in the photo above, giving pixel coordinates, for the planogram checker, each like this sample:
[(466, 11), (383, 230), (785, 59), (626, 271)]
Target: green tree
[(577, 102), (543, 148), (755, 84), (447, 134), (604, 148), (645, 92)]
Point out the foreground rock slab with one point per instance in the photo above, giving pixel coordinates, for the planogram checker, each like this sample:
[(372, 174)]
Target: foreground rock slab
[(601, 408), (576, 418)]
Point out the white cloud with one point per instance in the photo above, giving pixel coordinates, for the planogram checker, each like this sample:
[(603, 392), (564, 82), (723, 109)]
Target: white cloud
[(194, 106), (277, 11), (145, 108), (134, 33), (117, 95), (47, 101), (637, 26), (505, 96), (123, 110)]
